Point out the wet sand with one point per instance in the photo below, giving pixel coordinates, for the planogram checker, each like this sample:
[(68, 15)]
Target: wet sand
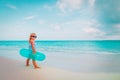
[(11, 69)]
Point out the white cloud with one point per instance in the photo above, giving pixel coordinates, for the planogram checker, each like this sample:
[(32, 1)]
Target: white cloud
[(24, 20), (113, 37), (91, 2), (41, 22), (20, 23), (89, 28), (47, 7), (61, 6), (82, 23), (29, 17), (61, 14), (56, 27), (118, 8), (93, 31), (116, 33), (70, 5), (117, 26), (11, 6)]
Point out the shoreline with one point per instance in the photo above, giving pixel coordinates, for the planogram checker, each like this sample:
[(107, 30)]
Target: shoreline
[(61, 40), (16, 70), (84, 63)]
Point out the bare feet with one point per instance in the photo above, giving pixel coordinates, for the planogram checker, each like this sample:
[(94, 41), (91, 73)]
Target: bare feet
[(37, 67), (27, 65)]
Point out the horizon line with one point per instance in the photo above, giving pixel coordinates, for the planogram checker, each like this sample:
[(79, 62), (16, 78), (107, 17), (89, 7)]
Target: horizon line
[(69, 40)]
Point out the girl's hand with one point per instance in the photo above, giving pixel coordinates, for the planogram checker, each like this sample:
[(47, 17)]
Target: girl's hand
[(34, 52)]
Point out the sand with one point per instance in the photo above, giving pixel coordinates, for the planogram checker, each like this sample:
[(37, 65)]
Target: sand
[(16, 70)]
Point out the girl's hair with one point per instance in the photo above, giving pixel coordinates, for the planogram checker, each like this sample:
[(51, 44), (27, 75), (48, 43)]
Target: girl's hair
[(32, 34)]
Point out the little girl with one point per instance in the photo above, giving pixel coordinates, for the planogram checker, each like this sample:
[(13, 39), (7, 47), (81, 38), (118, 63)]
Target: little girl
[(32, 48)]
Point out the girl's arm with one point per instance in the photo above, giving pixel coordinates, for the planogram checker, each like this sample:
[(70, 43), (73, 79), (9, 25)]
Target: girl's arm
[(33, 46)]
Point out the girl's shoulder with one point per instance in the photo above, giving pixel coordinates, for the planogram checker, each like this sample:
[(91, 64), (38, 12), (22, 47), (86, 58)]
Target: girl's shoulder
[(31, 41)]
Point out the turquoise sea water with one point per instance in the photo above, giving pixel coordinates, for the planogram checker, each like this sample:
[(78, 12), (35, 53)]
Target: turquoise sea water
[(79, 47), (83, 56)]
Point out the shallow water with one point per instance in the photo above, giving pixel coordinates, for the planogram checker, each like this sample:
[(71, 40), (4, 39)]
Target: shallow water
[(77, 56)]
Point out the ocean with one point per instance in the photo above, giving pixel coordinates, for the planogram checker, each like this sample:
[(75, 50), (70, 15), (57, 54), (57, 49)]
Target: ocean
[(78, 56)]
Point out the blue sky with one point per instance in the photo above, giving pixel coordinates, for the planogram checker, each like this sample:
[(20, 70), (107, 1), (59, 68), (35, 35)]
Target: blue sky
[(60, 19)]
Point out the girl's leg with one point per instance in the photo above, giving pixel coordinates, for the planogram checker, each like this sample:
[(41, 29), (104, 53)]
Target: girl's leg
[(35, 64), (27, 62)]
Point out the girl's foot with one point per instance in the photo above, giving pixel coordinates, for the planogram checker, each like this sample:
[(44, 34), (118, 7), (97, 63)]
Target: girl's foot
[(37, 67), (27, 64)]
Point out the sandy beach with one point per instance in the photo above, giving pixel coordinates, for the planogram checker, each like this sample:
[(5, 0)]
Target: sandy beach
[(69, 39), (11, 69)]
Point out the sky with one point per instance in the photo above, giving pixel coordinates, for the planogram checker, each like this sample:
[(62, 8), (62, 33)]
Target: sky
[(60, 19)]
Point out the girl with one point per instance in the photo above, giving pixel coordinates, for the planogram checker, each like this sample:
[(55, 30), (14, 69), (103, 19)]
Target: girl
[(32, 48)]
